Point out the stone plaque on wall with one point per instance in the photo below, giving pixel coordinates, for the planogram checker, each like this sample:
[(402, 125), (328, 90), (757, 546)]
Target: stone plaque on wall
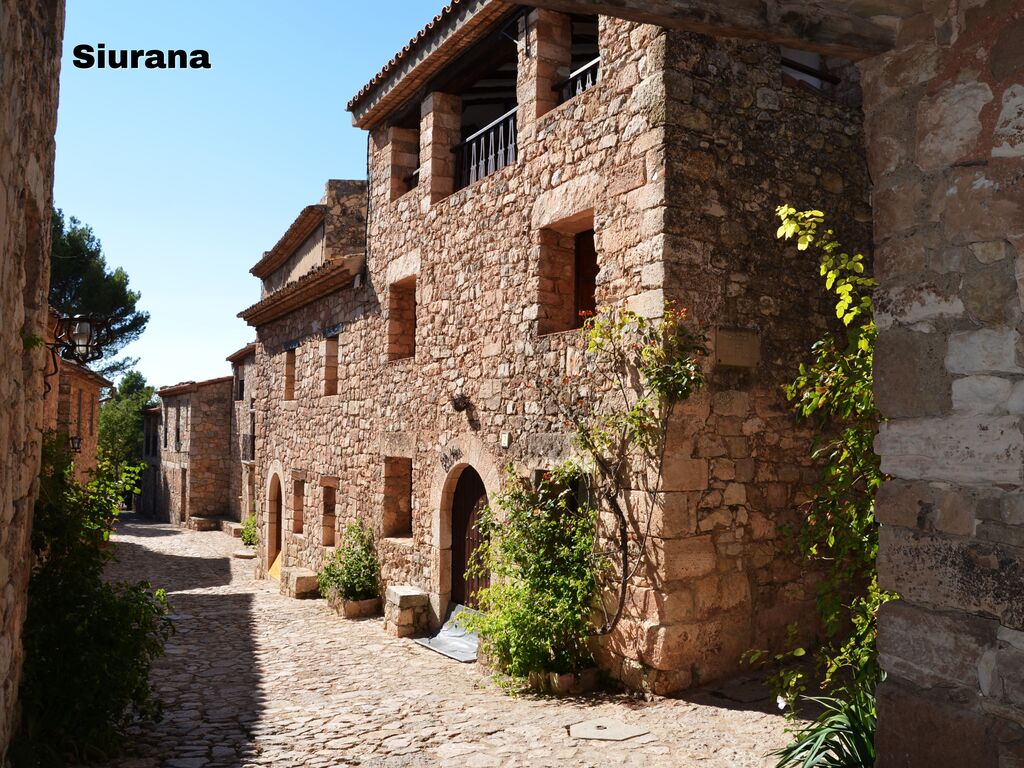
[(737, 347)]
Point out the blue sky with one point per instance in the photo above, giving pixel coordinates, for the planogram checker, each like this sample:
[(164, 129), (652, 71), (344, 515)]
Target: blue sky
[(187, 176)]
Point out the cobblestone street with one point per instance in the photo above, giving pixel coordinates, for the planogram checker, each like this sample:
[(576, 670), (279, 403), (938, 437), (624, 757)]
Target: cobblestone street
[(256, 679)]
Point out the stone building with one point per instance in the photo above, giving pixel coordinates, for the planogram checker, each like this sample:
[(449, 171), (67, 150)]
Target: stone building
[(30, 48), (73, 410), (523, 166), (242, 488), (190, 470)]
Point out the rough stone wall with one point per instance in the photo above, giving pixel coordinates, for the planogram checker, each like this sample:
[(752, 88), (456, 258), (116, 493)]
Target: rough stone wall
[(77, 414), (477, 256), (30, 46), (195, 462), (740, 141), (945, 121)]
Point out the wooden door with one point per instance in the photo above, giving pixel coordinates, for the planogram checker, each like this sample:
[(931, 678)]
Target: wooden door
[(469, 500)]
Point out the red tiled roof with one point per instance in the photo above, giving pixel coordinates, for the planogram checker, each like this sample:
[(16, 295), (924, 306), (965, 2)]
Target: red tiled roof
[(314, 285), (308, 219), (404, 53), (244, 352), (437, 43), (190, 386)]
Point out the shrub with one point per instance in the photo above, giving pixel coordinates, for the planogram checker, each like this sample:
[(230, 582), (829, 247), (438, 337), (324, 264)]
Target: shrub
[(843, 736), (89, 645), (250, 534), (354, 572), (539, 611)]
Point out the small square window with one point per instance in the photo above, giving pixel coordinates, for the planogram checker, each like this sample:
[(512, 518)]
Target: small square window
[(331, 365), (568, 272), (330, 516), (298, 505), (397, 497), (289, 375), (402, 319)]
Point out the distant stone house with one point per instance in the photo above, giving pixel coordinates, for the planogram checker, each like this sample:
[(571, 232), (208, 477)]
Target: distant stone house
[(188, 452), (72, 409), (524, 165)]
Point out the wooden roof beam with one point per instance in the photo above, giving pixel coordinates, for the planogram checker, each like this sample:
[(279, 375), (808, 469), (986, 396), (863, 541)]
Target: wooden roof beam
[(852, 29)]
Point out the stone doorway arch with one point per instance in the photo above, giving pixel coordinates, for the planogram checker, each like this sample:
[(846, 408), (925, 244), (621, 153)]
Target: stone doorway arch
[(275, 519), (462, 453), (468, 500)]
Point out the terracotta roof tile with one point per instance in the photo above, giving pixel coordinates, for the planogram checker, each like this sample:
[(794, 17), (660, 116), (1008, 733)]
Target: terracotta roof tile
[(308, 219), (402, 54), (314, 285), (458, 25)]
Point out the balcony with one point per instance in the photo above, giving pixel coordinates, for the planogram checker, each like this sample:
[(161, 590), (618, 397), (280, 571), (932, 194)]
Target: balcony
[(487, 151), (582, 79)]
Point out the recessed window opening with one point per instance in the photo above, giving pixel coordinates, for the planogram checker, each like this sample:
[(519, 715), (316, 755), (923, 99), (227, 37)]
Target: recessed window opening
[(405, 152), (298, 502), (330, 515), (486, 81), (397, 518), (568, 274), (585, 57), (402, 319), (289, 375), (240, 383), (331, 365)]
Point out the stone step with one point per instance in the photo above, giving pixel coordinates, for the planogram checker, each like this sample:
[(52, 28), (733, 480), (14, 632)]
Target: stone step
[(203, 524), (231, 528), (299, 583)]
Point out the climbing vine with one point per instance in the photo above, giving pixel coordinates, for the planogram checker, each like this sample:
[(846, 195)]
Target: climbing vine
[(839, 533), (579, 533)]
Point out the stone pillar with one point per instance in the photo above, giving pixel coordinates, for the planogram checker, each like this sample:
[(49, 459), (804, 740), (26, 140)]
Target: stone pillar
[(945, 120), (440, 132), (543, 63), (403, 158)]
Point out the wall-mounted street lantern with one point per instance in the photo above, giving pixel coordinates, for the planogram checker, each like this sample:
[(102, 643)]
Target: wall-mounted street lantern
[(80, 338), (460, 403), (75, 444)]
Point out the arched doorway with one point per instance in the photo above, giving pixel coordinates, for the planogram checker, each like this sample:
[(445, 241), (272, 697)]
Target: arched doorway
[(274, 523), (468, 500)]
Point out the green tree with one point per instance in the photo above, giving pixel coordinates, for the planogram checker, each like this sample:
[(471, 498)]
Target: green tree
[(122, 426), (82, 284), (89, 643)]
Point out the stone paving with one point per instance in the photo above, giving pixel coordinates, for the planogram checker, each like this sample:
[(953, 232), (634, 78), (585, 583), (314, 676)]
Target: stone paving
[(253, 678)]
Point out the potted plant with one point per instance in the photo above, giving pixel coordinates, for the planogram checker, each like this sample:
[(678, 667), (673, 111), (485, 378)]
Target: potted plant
[(350, 581)]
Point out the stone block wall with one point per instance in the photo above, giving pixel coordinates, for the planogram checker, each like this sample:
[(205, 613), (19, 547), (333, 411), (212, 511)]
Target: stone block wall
[(740, 140), (30, 47), (945, 123)]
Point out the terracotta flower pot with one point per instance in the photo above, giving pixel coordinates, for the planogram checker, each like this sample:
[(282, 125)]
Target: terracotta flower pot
[(567, 684), (355, 609)]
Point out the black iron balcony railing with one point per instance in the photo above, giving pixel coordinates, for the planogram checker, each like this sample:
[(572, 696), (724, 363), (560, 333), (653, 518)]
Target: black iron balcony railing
[(487, 151), (582, 79), (248, 448)]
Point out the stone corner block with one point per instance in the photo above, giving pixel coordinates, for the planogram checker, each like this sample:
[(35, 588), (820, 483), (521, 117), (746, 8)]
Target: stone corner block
[(299, 583), (404, 596)]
